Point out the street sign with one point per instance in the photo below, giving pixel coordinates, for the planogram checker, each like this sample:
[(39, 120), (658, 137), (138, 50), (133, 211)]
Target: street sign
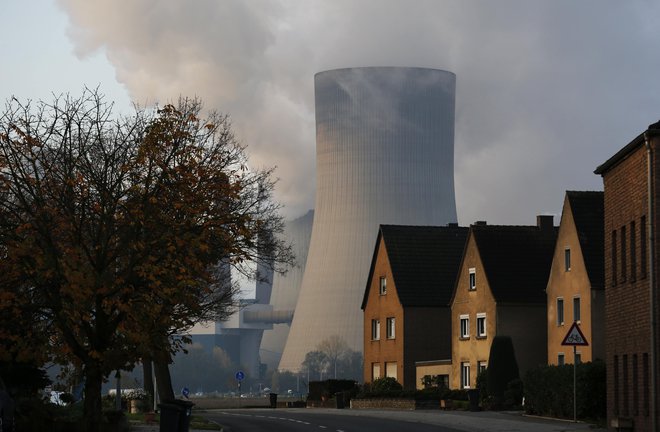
[(185, 392), (575, 337), (240, 376)]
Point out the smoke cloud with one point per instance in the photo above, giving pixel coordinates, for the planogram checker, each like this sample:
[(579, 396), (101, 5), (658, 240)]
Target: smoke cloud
[(546, 91)]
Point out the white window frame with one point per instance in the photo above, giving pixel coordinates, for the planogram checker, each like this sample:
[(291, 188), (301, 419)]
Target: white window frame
[(391, 327), (482, 365), (472, 279), (375, 370), (392, 370), (465, 375), (577, 312), (464, 329), (560, 322), (383, 285), (375, 329), (481, 317)]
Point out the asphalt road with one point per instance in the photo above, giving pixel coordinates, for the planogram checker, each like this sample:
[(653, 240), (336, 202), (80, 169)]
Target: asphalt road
[(318, 421)]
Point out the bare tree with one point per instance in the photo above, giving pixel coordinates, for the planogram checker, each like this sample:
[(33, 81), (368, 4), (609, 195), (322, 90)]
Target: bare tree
[(335, 348)]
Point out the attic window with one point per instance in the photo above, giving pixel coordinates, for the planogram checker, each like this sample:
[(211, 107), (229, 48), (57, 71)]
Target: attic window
[(473, 279), (383, 285), (567, 259)]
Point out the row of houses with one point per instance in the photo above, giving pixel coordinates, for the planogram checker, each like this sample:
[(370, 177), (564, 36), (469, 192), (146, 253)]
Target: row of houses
[(437, 296)]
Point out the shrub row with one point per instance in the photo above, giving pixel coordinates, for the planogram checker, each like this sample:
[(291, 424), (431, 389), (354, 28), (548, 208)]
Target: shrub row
[(549, 391)]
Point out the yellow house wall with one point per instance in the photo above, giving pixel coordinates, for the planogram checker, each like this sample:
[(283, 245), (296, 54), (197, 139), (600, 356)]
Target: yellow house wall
[(381, 307), (480, 300), (568, 285), (433, 369)]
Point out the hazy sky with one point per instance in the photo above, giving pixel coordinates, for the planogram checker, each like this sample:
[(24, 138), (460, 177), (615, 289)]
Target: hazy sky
[(546, 90)]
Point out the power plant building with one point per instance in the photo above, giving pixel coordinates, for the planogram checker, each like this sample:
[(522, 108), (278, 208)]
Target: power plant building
[(385, 155)]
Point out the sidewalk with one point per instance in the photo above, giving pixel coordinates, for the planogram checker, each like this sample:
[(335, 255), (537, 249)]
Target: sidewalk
[(482, 421)]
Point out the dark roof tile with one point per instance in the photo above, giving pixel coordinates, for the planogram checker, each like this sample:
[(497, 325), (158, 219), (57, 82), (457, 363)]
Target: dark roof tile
[(588, 214)]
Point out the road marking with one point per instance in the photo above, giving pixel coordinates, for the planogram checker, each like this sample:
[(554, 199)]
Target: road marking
[(323, 427)]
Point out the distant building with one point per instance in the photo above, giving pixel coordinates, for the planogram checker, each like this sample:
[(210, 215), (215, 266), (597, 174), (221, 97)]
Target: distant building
[(576, 286), (500, 290), (630, 180), (406, 300), (384, 155)]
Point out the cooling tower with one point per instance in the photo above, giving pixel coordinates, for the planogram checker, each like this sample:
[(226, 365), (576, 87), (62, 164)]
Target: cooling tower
[(384, 155), (286, 288)]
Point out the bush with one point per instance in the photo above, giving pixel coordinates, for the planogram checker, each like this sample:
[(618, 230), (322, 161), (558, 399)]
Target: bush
[(502, 369), (549, 391), (328, 388)]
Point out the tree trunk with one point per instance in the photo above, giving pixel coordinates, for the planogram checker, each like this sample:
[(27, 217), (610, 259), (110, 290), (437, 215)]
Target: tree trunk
[(92, 405), (148, 379), (163, 379)]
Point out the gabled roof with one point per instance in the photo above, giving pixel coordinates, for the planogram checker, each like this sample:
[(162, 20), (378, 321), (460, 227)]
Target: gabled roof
[(516, 260), (588, 214), (424, 261), (652, 130)]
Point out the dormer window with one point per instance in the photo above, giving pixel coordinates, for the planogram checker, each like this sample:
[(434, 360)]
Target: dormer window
[(383, 285), (473, 279)]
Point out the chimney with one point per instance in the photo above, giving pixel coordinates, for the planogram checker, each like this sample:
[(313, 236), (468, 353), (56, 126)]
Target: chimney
[(452, 224), (480, 223), (545, 222)]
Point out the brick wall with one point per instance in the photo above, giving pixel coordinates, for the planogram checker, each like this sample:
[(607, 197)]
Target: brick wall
[(627, 289)]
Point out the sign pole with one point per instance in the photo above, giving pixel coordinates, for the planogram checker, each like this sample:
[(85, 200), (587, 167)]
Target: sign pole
[(573, 338), (574, 383)]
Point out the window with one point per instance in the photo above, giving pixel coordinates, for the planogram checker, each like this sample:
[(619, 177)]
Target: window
[(560, 311), (626, 392), (614, 258), (383, 285), (390, 370), (635, 383), (616, 384), (465, 375), (375, 371), (567, 259), (624, 256), (645, 380), (375, 329), (642, 246), (578, 358), (561, 360), (390, 328), (633, 252), (576, 309), (481, 325), (481, 365), (473, 279), (465, 326)]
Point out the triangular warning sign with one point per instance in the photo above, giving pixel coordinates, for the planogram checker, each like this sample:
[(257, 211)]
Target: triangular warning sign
[(575, 337)]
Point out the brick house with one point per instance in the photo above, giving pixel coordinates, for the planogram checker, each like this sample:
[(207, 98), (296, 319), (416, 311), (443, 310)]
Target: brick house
[(406, 300), (630, 180), (500, 290), (575, 288)]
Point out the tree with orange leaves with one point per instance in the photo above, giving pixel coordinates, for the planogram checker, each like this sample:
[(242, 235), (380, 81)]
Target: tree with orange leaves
[(124, 230)]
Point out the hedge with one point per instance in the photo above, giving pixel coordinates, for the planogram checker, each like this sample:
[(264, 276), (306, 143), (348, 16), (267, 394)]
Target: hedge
[(549, 391)]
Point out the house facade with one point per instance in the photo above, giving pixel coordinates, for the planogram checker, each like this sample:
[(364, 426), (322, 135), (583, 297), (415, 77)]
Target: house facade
[(500, 291), (630, 180), (406, 300), (575, 288)]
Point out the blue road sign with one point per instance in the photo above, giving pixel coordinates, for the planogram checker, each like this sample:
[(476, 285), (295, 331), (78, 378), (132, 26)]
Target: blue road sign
[(185, 392), (240, 375)]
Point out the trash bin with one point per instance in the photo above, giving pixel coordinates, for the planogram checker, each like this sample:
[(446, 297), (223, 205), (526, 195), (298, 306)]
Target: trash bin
[(473, 397), (273, 400), (175, 415), (339, 397)]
